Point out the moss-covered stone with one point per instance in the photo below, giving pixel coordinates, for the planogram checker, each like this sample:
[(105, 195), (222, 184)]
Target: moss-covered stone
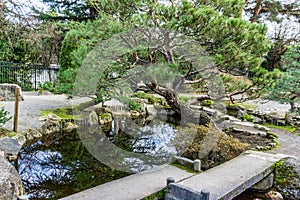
[(64, 113), (209, 144), (287, 178), (239, 105), (151, 98), (248, 118), (7, 133), (271, 135)]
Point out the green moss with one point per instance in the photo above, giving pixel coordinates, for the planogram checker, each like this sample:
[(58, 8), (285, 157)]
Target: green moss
[(245, 105), (135, 106), (68, 112), (7, 133), (271, 135), (104, 115), (285, 128), (248, 118), (60, 112), (285, 176), (150, 97), (207, 103), (175, 164), (156, 196)]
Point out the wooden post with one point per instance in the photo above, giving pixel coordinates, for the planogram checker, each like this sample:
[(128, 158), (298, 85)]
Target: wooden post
[(16, 115)]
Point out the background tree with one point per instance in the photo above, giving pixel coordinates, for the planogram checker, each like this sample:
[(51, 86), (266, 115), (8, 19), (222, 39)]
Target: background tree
[(72, 10), (282, 18), (24, 38), (286, 88), (236, 46)]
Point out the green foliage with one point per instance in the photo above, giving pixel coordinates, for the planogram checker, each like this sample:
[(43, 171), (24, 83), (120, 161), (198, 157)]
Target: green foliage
[(4, 116), (132, 105), (120, 9), (286, 87), (68, 10), (49, 86), (77, 43), (237, 46), (66, 80)]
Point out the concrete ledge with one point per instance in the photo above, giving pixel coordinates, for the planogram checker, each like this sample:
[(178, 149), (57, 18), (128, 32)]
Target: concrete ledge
[(136, 186), (228, 180)]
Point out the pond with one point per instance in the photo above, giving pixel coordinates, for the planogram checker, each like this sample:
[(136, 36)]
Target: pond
[(59, 165)]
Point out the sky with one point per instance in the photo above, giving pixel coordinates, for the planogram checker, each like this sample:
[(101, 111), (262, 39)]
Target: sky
[(291, 27)]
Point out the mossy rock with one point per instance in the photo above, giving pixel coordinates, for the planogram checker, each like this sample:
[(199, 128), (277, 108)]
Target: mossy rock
[(64, 113), (287, 178), (106, 118), (208, 144), (7, 133), (149, 97), (237, 105), (248, 118), (207, 103), (271, 135)]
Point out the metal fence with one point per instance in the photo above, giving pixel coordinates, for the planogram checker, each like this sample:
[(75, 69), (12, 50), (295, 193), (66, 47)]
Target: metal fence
[(28, 76)]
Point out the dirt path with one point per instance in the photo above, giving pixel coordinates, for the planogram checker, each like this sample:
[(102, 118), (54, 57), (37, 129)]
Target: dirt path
[(30, 109)]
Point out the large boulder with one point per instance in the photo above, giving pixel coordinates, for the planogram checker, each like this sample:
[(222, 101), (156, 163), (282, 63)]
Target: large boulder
[(11, 186)]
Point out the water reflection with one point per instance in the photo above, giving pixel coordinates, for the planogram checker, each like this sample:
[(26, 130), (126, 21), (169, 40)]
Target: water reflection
[(133, 147), (61, 168), (59, 165)]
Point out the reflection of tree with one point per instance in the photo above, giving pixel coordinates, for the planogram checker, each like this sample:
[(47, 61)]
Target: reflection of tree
[(63, 168), (134, 148)]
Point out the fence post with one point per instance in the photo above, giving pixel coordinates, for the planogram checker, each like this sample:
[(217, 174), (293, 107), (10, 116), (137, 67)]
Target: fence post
[(16, 114)]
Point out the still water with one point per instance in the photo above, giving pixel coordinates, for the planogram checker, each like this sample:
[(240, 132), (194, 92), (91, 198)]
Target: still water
[(62, 164)]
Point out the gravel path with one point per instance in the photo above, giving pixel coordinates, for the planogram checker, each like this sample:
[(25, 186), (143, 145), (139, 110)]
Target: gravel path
[(30, 109), (289, 143)]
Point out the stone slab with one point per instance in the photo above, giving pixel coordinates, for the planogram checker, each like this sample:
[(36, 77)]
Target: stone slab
[(227, 180), (10, 146), (136, 186)]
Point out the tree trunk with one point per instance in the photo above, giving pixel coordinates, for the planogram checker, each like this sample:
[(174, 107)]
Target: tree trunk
[(186, 114)]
